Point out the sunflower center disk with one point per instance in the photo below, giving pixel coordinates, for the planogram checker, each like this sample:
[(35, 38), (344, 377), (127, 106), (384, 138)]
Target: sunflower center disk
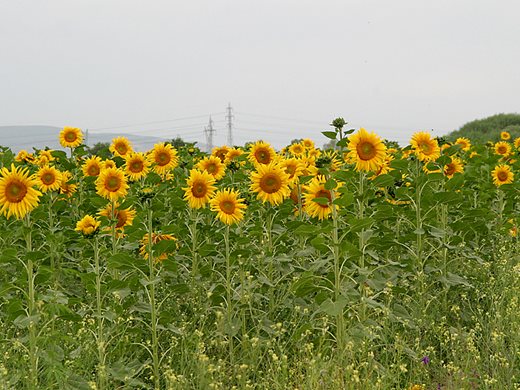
[(93, 170), (70, 137), (450, 169), (15, 191), (426, 148), (227, 206), (323, 194), (121, 149), (136, 166), (163, 159), (270, 183), (48, 179), (113, 184), (366, 151), (502, 175), (198, 190), (121, 219), (211, 168), (262, 157)]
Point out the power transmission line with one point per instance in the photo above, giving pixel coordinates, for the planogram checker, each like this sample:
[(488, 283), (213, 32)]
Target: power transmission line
[(209, 135), (229, 118)]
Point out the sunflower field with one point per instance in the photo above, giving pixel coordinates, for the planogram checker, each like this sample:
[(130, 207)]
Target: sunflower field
[(368, 266)]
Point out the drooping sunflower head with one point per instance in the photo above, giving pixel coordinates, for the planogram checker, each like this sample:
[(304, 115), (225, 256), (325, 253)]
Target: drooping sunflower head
[(228, 206), (367, 150), (144, 249), (111, 184), (271, 183), (66, 187), (503, 148), (88, 225), (293, 167), (464, 143), (308, 143), (24, 156), (233, 154), (425, 147), (329, 160), (45, 157), (163, 157), (120, 146), (92, 166), (137, 165), (317, 199), (105, 164), (453, 167), (261, 153), (505, 136), (213, 166), (71, 137), (17, 193), (297, 149), (502, 174), (220, 152), (121, 217), (200, 188), (48, 178)]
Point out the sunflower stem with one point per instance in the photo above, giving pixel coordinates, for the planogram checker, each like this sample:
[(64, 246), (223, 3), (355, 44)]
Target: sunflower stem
[(229, 297), (153, 308), (31, 310), (101, 373), (340, 326)]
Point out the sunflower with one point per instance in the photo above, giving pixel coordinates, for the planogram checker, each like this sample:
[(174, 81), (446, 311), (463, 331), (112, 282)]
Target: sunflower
[(48, 178), (297, 149), (271, 183), (156, 237), (67, 188), (261, 153), (17, 195), (71, 137), (111, 184), (92, 166), (232, 154), (213, 166), (293, 167), (200, 188), (426, 148), (517, 143), (136, 166), (228, 206), (453, 167), (503, 148), (120, 146), (504, 135), (366, 150), (164, 156), (313, 153), (464, 143), (329, 160), (122, 217), (502, 175), (44, 157), (220, 152), (24, 156), (105, 164), (385, 167), (88, 225), (308, 143), (316, 189)]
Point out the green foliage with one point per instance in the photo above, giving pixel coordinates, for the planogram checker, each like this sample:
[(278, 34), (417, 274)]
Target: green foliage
[(100, 149), (488, 129)]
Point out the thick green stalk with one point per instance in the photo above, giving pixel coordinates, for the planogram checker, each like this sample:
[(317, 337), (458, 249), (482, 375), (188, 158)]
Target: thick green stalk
[(229, 295), (31, 311), (101, 374), (153, 308)]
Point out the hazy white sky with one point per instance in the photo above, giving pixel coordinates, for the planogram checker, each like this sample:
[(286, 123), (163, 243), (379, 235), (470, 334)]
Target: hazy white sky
[(394, 67)]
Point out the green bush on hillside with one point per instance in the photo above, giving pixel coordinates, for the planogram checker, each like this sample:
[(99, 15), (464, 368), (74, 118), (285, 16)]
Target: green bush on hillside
[(488, 129)]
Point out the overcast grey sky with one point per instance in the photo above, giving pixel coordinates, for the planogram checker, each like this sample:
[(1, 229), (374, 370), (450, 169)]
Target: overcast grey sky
[(393, 67)]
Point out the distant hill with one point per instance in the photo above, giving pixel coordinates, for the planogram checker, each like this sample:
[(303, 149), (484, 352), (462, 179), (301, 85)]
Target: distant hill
[(488, 129), (27, 137)]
